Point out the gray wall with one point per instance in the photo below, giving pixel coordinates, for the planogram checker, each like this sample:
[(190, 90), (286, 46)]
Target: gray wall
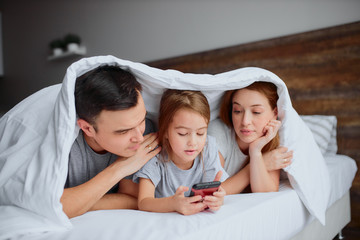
[(144, 30)]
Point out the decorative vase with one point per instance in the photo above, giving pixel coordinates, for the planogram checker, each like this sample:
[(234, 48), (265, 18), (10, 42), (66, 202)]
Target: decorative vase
[(72, 47), (57, 51)]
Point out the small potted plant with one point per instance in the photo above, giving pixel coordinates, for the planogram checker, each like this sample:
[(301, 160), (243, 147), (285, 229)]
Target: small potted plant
[(57, 46), (72, 42)]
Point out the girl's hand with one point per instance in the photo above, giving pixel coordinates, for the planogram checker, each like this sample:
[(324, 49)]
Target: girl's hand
[(269, 131), (187, 205), (215, 201), (278, 158)]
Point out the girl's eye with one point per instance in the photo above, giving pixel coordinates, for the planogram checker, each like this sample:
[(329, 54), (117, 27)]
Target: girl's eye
[(200, 134), (182, 134)]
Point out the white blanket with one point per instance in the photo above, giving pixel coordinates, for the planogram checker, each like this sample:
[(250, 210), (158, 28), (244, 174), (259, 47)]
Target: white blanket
[(37, 134)]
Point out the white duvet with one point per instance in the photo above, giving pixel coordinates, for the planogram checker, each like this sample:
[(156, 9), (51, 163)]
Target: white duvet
[(37, 134)]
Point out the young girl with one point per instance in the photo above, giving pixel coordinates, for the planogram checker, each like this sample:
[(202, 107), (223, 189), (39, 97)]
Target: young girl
[(188, 156), (248, 138)]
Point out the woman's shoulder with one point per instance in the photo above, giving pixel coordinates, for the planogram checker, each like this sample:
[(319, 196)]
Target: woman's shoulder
[(218, 129), (218, 125)]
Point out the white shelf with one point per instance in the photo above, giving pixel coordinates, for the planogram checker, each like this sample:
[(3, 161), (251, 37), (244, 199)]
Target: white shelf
[(80, 52)]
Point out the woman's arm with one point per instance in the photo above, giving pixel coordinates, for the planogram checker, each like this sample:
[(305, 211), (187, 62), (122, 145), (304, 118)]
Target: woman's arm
[(262, 180), (176, 203), (238, 182)]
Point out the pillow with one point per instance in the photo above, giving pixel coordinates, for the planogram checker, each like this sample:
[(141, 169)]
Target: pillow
[(323, 129)]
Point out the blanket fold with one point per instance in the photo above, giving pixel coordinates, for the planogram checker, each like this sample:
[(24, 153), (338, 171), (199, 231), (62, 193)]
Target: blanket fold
[(37, 134)]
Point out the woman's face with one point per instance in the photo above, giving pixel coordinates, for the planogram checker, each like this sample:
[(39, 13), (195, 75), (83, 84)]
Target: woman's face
[(251, 112), (187, 136)]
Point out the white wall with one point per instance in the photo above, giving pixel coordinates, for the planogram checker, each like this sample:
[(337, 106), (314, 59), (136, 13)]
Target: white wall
[(145, 30)]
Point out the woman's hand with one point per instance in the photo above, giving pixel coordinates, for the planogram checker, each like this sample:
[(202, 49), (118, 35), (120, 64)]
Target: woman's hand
[(278, 158), (187, 205), (269, 131), (147, 150)]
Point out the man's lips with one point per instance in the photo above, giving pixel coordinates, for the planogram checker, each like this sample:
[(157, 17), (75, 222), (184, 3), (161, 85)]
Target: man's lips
[(134, 147)]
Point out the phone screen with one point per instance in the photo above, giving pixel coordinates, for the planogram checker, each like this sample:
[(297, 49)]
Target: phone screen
[(204, 189)]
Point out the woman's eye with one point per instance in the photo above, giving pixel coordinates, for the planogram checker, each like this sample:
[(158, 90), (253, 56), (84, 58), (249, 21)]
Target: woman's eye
[(237, 111), (200, 134), (182, 134)]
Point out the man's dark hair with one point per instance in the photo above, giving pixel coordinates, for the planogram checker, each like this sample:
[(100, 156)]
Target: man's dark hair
[(105, 88)]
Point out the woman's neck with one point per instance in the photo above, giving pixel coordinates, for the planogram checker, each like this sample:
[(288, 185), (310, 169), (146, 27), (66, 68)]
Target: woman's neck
[(244, 147)]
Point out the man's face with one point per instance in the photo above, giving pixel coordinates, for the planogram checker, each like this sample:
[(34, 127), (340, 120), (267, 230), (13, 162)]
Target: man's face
[(119, 132)]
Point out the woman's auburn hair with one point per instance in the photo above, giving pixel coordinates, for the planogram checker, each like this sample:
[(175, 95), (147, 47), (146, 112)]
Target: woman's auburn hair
[(268, 89)]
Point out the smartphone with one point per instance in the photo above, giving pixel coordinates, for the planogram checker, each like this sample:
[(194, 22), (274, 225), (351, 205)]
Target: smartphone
[(206, 188)]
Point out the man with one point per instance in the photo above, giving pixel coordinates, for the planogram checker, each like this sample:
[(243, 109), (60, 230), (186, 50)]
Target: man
[(110, 146)]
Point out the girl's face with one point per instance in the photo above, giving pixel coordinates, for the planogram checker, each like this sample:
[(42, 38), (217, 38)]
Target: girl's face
[(251, 112), (186, 135)]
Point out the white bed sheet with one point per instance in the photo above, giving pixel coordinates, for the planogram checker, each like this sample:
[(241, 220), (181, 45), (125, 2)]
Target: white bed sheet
[(278, 215)]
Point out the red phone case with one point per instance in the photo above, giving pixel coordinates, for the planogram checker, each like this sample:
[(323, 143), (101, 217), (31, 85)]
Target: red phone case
[(204, 189)]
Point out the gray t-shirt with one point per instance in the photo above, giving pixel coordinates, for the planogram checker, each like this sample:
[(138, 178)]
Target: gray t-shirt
[(228, 147), (167, 177), (84, 163)]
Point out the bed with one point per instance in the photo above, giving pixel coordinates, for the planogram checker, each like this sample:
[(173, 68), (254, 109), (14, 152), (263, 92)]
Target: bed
[(279, 215), (36, 136)]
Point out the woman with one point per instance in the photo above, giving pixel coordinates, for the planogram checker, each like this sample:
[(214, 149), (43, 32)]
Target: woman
[(247, 135)]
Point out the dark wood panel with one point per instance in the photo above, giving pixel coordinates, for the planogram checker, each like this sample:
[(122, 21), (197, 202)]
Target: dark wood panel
[(321, 69)]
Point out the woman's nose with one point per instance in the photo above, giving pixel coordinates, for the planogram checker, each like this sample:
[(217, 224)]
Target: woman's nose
[(246, 120)]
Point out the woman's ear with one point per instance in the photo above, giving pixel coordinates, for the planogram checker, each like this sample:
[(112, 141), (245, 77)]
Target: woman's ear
[(86, 127), (275, 113)]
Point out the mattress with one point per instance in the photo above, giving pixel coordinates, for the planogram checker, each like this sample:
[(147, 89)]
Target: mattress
[(277, 215)]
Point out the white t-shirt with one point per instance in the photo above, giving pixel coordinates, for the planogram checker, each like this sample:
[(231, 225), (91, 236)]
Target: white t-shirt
[(228, 147), (167, 177)]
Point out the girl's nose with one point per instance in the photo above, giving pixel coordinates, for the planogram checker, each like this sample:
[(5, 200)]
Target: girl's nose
[(191, 140)]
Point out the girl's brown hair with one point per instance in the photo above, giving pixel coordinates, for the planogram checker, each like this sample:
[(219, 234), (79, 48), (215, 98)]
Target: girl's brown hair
[(268, 89), (174, 100)]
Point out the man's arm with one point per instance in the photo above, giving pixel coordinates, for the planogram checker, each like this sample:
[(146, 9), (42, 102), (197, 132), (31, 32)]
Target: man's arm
[(90, 195)]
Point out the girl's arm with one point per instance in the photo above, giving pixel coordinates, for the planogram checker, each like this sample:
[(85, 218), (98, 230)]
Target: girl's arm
[(176, 203)]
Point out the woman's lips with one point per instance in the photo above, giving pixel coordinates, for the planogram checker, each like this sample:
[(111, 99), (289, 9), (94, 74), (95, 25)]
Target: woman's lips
[(246, 132)]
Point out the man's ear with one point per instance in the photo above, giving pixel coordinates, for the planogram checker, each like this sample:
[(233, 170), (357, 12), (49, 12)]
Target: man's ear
[(87, 128)]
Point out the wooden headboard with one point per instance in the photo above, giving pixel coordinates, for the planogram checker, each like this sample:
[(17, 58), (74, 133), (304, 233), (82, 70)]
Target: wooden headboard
[(321, 70)]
